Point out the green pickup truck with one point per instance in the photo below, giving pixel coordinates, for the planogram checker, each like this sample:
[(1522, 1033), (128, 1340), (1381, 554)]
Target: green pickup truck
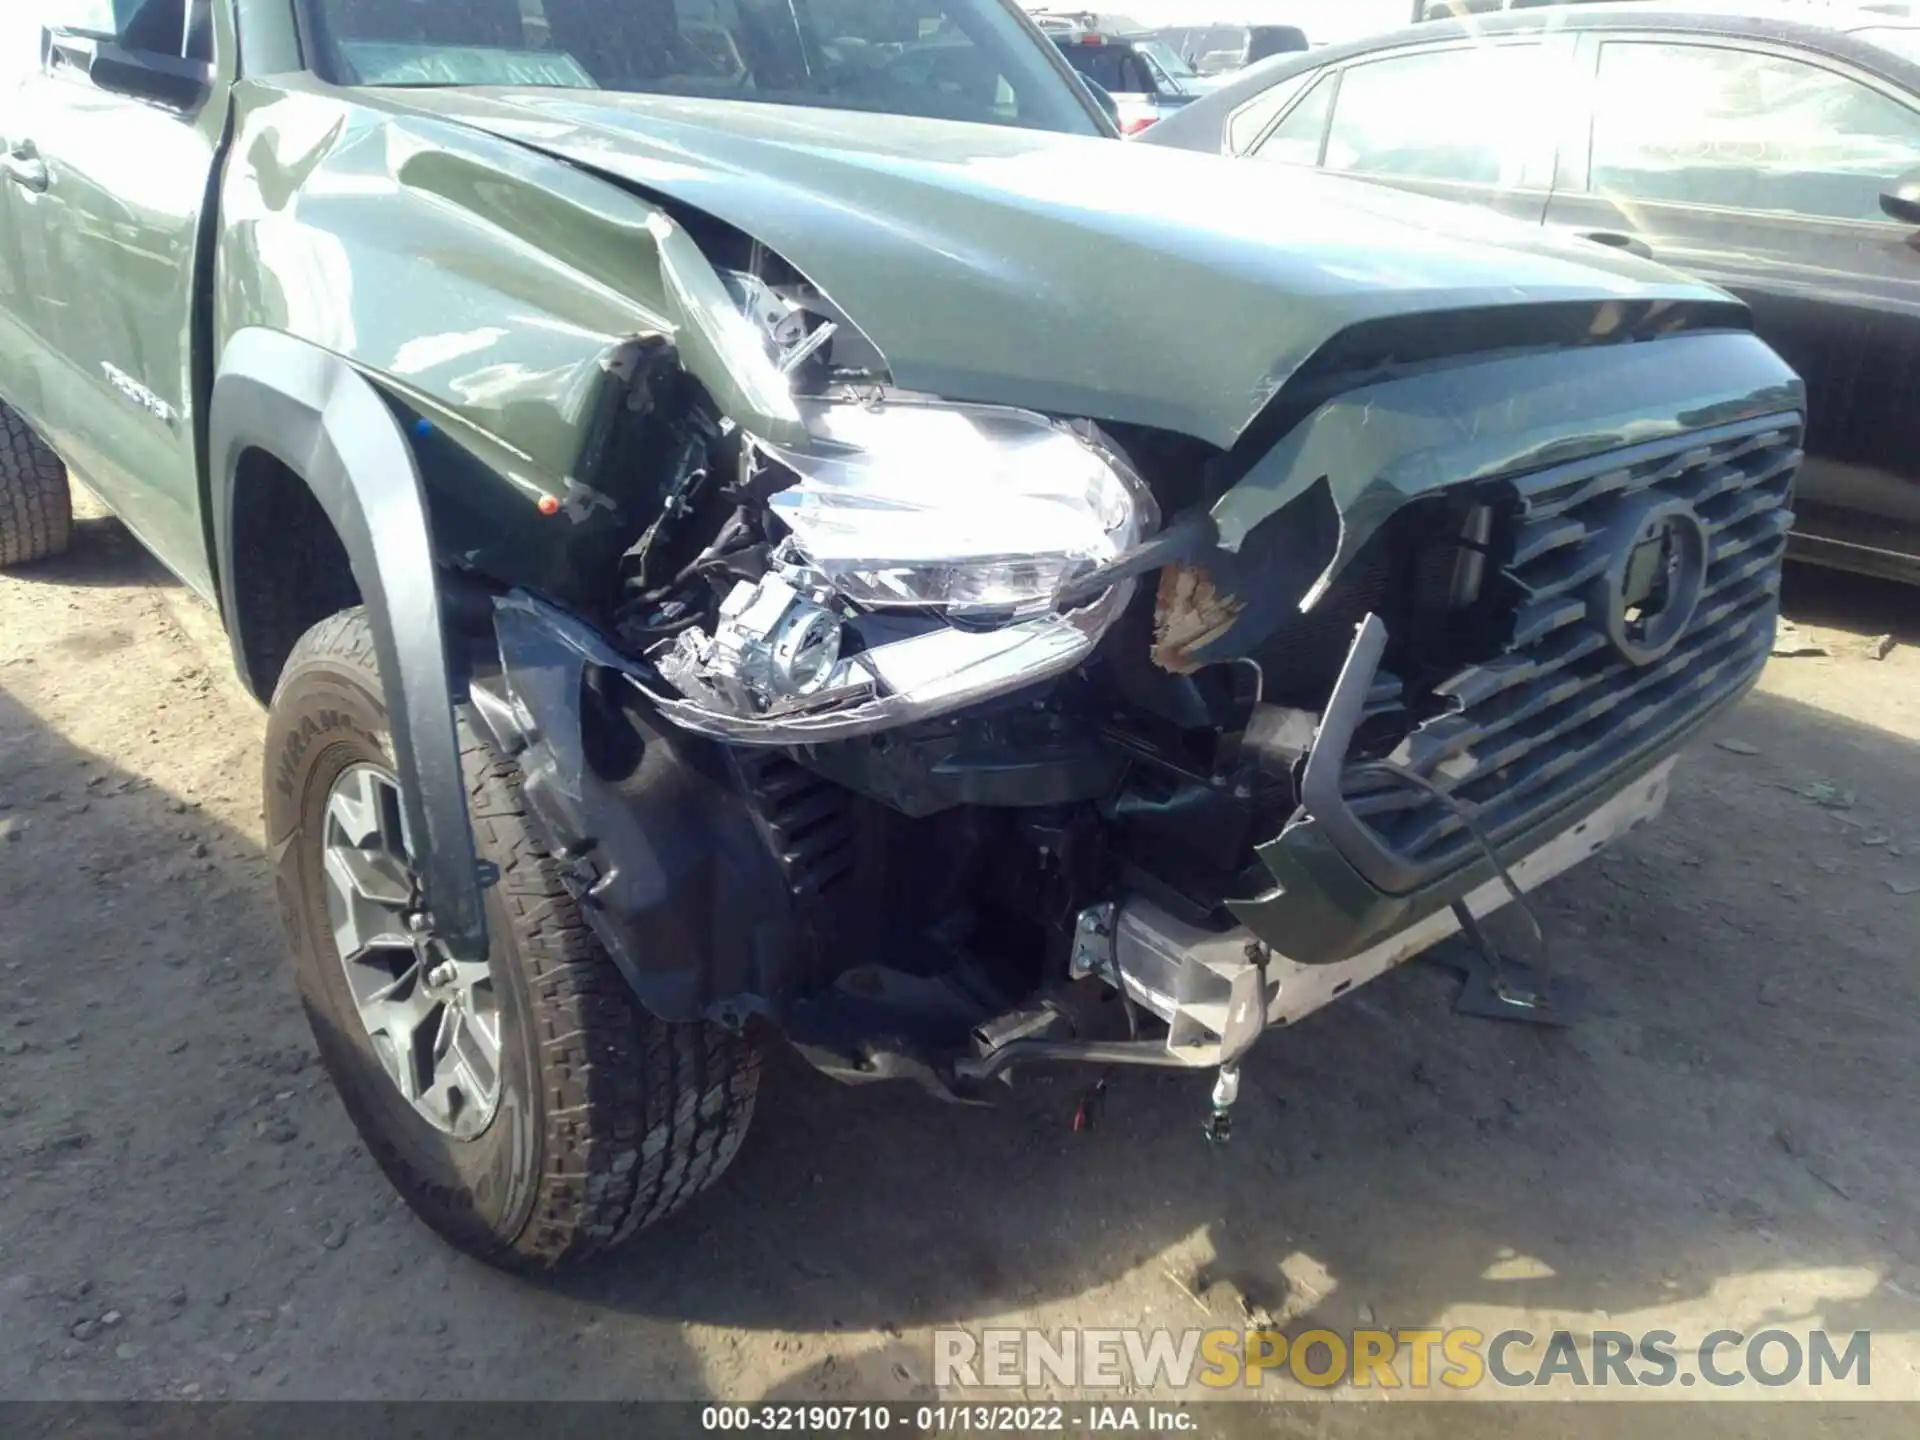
[(761, 520)]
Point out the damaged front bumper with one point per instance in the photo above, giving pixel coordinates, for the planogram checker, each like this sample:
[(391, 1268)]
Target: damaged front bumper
[(1324, 906), (1548, 744), (1217, 991)]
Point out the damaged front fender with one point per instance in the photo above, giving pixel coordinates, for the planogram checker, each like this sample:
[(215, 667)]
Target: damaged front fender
[(499, 297)]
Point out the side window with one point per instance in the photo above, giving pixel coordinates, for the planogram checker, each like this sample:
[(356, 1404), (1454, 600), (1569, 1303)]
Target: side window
[(89, 17), (156, 26), (1246, 123), (1216, 49), (1156, 78), (19, 45), (1710, 125), (1099, 63), (1297, 139), (199, 42), (1471, 114)]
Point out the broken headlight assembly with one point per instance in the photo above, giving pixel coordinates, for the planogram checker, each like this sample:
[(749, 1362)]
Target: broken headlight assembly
[(968, 510), (918, 552)]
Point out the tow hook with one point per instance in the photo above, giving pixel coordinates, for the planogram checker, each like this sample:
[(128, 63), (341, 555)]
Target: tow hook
[(1246, 1023), (1226, 1090), (1214, 993)]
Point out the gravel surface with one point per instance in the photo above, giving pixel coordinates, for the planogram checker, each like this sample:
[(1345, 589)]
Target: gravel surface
[(1728, 1139)]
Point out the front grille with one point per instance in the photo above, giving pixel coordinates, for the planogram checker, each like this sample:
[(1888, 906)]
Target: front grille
[(1561, 707)]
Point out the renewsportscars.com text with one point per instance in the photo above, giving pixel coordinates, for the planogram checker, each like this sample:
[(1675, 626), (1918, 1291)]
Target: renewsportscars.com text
[(1461, 1358)]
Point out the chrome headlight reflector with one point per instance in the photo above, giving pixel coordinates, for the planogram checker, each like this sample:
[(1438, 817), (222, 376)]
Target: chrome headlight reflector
[(965, 509), (970, 514)]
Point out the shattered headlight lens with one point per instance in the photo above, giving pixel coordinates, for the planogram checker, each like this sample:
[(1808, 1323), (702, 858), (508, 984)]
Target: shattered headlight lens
[(968, 509)]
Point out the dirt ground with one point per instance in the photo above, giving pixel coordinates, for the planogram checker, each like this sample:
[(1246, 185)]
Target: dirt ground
[(1731, 1138)]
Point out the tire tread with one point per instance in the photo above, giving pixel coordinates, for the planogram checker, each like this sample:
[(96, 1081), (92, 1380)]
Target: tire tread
[(36, 503), (640, 1115)]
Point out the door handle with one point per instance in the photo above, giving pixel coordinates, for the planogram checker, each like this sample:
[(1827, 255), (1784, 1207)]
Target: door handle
[(24, 167), (1614, 240)]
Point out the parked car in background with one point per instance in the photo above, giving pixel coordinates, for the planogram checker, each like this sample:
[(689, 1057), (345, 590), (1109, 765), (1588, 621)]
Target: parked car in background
[(1452, 9), (1776, 157), (1223, 49), (1146, 77)]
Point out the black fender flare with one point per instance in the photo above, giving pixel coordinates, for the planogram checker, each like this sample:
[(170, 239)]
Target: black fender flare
[(654, 830), (323, 420)]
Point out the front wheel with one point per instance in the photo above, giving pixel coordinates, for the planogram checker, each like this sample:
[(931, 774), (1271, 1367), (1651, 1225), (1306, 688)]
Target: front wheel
[(36, 503), (526, 1107)]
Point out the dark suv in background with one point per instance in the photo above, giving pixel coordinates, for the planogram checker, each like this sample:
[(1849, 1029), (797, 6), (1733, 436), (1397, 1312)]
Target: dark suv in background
[(1222, 49), (1146, 77), (1452, 9)]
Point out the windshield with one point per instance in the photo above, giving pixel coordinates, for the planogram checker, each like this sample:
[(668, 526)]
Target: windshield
[(1167, 58), (944, 59)]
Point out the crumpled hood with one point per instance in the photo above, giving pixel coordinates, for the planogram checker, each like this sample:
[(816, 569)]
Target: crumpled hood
[(1074, 275)]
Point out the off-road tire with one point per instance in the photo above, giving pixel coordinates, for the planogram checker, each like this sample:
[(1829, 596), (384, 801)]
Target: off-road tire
[(36, 506), (609, 1118)]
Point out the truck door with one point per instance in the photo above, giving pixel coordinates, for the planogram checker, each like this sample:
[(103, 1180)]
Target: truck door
[(114, 138), (19, 57)]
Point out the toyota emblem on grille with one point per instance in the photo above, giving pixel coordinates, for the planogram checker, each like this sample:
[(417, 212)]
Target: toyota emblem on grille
[(1656, 572)]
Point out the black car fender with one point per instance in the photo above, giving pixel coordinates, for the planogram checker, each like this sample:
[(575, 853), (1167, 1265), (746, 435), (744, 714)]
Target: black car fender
[(323, 420)]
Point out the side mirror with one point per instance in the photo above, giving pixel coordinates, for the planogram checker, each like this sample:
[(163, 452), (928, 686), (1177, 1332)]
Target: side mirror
[(166, 79), (1902, 200)]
